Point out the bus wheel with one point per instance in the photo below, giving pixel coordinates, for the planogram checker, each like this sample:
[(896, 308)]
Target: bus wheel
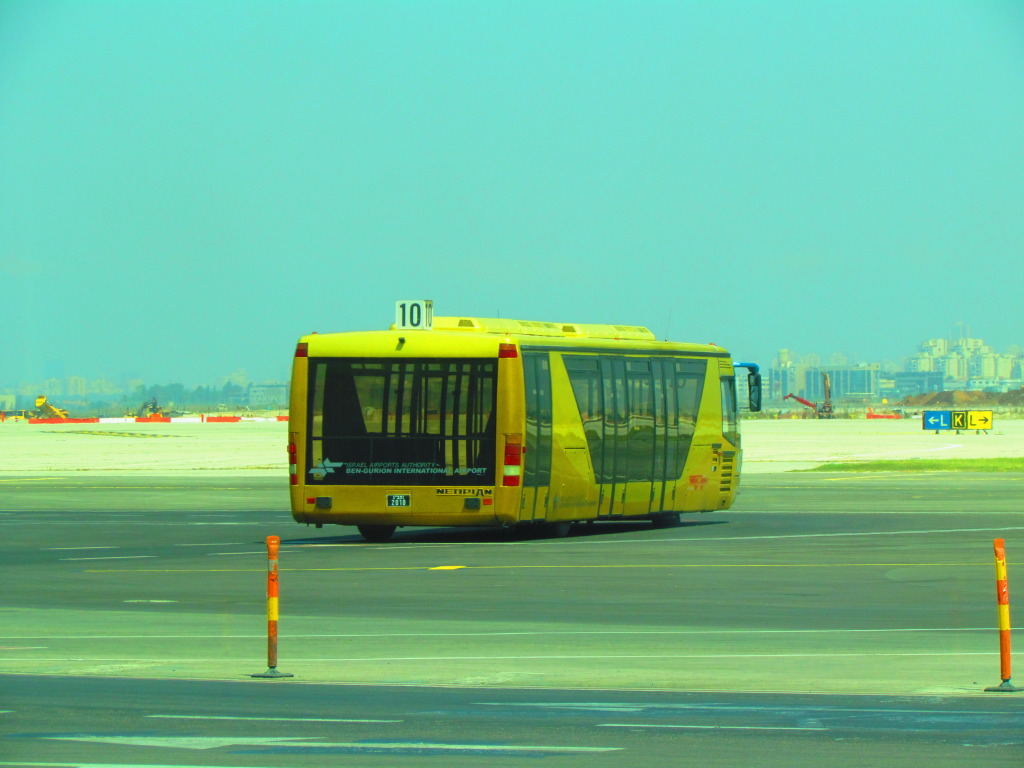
[(559, 530), (376, 532), (665, 520)]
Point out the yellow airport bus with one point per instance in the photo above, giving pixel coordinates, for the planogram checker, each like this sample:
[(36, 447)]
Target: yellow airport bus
[(460, 421)]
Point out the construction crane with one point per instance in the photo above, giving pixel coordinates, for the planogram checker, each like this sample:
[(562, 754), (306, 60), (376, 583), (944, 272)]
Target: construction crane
[(808, 403), (825, 410), (47, 410)]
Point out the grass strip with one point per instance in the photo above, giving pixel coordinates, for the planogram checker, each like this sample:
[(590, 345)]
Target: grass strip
[(1005, 464)]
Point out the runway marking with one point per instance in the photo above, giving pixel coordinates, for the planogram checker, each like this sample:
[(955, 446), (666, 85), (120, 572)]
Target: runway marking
[(310, 743), (492, 657), (585, 657), (249, 554), (611, 566), (398, 545), (149, 601), (809, 535), (61, 549), (23, 763), (82, 487), (818, 709), (713, 727), (216, 544), (446, 568), (111, 557), (138, 522), (574, 632), (276, 719), (107, 433)]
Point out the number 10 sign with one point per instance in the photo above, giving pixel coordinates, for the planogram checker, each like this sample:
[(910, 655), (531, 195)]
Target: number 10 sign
[(414, 315)]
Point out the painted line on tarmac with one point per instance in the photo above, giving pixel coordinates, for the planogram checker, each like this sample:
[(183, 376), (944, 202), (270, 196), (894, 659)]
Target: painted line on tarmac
[(111, 557), (148, 601), (491, 657), (809, 535), (816, 709), (310, 744), (276, 719), (23, 764), (403, 546), (79, 523), (218, 544), (226, 554), (575, 566), (573, 632), (714, 727), (81, 487), (586, 657)]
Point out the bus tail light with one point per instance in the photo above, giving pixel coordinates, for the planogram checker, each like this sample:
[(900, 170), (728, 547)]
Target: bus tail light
[(513, 465), (293, 464), (302, 349), (508, 350)]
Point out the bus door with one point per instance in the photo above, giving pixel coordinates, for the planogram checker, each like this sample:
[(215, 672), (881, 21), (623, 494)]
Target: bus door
[(642, 428), (536, 499), (690, 465), (615, 440)]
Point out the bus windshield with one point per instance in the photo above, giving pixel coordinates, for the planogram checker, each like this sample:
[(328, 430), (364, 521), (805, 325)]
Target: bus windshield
[(405, 422)]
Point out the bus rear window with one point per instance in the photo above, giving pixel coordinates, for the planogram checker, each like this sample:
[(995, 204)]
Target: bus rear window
[(407, 422)]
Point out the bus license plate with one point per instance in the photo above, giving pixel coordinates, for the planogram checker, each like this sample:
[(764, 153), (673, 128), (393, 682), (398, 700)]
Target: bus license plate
[(399, 499)]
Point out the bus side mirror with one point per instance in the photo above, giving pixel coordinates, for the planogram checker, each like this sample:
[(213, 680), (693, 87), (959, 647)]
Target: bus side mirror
[(754, 388)]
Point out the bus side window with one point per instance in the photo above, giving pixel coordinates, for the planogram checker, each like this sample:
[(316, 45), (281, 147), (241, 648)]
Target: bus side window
[(689, 388), (585, 379)]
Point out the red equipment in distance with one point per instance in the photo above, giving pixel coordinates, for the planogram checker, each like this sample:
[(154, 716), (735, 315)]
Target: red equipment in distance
[(825, 411)]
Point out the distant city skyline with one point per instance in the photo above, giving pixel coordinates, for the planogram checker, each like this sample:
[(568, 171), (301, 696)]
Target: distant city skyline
[(242, 377)]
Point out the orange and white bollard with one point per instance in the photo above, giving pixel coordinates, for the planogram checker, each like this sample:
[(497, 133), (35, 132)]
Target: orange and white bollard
[(1003, 601), (273, 544)]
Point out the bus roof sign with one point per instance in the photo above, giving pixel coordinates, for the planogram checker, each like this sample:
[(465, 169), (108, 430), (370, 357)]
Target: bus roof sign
[(414, 315)]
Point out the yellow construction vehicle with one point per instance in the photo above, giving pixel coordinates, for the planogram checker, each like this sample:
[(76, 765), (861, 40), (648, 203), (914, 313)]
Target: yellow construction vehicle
[(46, 410), (149, 409)]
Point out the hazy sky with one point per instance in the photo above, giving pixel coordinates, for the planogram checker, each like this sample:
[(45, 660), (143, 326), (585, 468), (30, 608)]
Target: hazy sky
[(187, 187)]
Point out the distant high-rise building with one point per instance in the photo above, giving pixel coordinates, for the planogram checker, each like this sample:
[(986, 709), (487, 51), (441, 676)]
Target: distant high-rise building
[(77, 385)]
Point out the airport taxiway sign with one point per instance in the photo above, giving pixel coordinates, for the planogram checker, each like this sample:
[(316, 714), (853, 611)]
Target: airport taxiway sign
[(979, 419), (936, 420), (956, 420)]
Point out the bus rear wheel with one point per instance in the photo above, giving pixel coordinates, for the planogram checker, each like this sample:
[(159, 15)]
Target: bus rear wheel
[(376, 532)]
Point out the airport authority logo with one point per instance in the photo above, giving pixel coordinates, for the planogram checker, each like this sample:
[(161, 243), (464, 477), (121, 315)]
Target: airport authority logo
[(465, 491)]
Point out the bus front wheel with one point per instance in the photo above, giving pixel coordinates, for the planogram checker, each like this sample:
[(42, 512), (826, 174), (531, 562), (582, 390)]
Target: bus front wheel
[(376, 532)]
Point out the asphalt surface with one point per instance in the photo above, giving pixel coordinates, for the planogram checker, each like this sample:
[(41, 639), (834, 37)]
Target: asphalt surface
[(849, 613), (104, 721)]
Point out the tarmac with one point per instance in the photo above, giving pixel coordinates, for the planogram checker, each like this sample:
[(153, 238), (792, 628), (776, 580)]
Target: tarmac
[(259, 448), (157, 585)]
